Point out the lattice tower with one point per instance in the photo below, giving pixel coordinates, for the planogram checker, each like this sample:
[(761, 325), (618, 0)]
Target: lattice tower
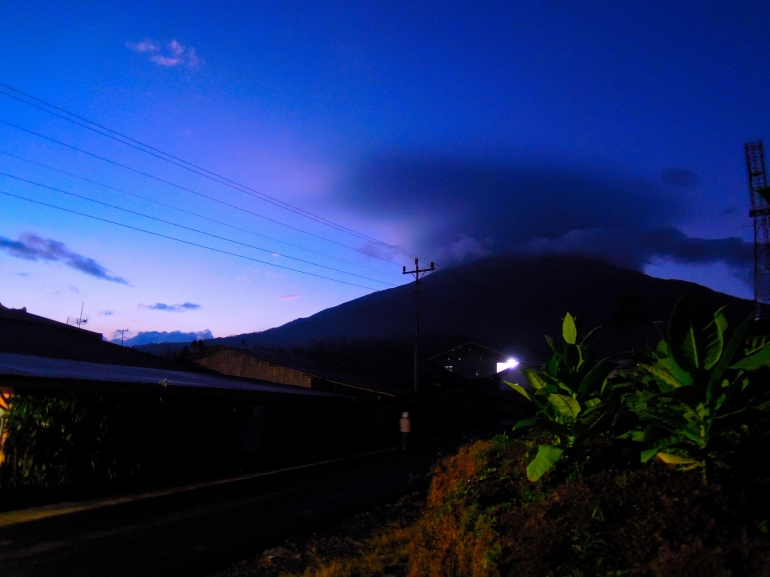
[(760, 212)]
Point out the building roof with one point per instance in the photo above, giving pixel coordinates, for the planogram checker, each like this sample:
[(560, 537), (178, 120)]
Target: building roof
[(309, 367), (34, 372), (465, 344), (28, 334)]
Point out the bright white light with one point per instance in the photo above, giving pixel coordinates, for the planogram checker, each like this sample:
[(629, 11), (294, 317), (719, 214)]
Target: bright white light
[(509, 364)]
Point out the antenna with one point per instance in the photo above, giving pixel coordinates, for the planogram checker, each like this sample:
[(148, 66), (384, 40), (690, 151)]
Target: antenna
[(760, 212), (81, 320)]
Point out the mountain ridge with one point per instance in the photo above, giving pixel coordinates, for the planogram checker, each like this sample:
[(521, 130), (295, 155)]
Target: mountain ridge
[(505, 303)]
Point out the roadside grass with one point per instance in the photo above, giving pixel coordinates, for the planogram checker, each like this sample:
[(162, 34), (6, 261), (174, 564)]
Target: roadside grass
[(485, 519), (373, 542), (482, 517)]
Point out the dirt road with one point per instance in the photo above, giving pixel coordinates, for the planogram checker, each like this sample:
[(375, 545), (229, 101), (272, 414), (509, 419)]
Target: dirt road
[(193, 530)]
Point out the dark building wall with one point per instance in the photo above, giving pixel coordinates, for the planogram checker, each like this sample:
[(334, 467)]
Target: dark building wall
[(235, 364)]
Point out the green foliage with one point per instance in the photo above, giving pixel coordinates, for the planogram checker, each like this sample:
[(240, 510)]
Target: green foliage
[(546, 457), (571, 395), (689, 402), (695, 396), (62, 440)]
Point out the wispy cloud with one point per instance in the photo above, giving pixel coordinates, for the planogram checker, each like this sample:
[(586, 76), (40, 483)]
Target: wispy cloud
[(175, 54), (145, 45), (180, 308), (287, 298), (30, 246), (107, 313)]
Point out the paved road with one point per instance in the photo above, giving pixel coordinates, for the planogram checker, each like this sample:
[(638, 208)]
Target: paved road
[(197, 529)]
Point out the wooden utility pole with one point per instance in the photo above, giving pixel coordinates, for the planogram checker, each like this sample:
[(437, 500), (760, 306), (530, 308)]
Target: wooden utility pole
[(417, 272)]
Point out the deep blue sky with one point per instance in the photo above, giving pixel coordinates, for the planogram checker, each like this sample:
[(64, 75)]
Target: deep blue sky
[(451, 129)]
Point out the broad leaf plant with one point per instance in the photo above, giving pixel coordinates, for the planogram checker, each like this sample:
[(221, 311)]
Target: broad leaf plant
[(571, 396)]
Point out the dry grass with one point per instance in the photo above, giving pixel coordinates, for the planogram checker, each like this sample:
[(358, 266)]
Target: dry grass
[(483, 518), (456, 535), (375, 542)]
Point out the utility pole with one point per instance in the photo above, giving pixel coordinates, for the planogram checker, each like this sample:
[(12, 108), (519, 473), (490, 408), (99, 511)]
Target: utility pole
[(122, 332), (417, 272)]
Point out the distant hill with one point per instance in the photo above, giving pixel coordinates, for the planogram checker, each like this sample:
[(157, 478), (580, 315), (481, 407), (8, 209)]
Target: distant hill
[(504, 303)]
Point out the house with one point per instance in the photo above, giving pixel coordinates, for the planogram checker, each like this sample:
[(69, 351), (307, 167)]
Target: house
[(290, 370), (488, 368), (25, 333), (184, 409), (473, 361)]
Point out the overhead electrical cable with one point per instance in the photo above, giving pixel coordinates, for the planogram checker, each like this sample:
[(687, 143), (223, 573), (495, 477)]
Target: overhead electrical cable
[(211, 248), (172, 207), (190, 190), (166, 157), (74, 195)]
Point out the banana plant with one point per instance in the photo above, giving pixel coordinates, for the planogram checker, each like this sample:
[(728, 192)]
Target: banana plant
[(697, 391), (571, 396)]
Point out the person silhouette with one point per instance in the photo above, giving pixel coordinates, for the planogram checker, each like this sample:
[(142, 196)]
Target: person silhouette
[(405, 424)]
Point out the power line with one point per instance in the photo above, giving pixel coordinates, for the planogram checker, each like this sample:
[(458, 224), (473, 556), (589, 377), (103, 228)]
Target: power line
[(157, 153), (183, 241), (172, 207), (115, 163), (32, 182)]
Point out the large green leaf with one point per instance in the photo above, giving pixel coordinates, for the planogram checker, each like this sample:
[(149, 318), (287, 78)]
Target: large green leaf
[(549, 340), (685, 463), (732, 347), (553, 364), (569, 330), (524, 423), (754, 361), (573, 358), (695, 334), (539, 380), (666, 380), (535, 379), (519, 389), (547, 456), (595, 376), (564, 405)]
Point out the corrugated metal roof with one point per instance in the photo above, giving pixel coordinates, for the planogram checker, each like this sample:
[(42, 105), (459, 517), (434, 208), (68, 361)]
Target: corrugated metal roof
[(23, 333), (35, 367)]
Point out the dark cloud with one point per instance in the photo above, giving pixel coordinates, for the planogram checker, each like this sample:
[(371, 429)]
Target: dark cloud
[(470, 209), (172, 308), (147, 337), (633, 248), (680, 177), (32, 247), (466, 204)]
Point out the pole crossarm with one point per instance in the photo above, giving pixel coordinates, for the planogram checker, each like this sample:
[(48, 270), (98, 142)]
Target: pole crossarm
[(417, 272)]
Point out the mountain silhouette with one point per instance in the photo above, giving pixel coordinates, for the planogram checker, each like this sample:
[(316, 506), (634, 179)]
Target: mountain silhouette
[(505, 303)]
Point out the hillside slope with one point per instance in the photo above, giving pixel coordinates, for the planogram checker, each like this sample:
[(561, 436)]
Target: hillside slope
[(507, 304)]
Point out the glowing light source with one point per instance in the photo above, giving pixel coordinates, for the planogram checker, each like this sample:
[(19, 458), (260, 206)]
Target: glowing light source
[(509, 364)]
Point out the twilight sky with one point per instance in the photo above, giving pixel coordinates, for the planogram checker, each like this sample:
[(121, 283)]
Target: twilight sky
[(448, 129)]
